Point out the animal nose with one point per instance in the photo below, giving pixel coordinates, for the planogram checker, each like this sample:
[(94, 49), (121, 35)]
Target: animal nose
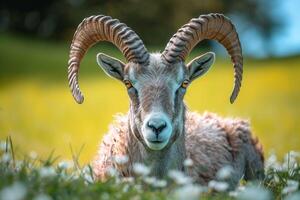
[(157, 125)]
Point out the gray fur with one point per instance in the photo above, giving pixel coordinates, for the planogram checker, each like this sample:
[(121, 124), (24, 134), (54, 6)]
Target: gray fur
[(209, 140)]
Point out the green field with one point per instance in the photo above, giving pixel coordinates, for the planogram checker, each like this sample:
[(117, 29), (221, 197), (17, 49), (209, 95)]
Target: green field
[(38, 111), (34, 178)]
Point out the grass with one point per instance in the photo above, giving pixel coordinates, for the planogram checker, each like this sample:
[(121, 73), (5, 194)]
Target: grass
[(38, 112), (32, 177)]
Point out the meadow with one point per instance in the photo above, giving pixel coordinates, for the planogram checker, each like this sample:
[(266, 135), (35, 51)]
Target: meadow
[(39, 113), (35, 178)]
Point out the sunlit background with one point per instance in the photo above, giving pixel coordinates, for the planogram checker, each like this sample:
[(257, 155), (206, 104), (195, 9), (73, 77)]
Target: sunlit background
[(39, 113)]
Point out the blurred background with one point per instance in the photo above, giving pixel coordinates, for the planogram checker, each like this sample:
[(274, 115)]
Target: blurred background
[(39, 113)]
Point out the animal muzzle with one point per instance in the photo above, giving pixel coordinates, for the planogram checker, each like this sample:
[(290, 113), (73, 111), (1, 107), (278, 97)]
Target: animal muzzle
[(157, 130)]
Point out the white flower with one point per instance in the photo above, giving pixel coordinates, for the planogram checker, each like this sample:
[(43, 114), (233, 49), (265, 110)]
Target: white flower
[(218, 185), (75, 176), (33, 155), (188, 162), (179, 177), (15, 192), (159, 183), (272, 159), (128, 179), (233, 193), (2, 145), (87, 174), (121, 159), (225, 172), (138, 187), (294, 196), (86, 170), (141, 169), (287, 163), (241, 188), (272, 163), (257, 193), (290, 160), (112, 172), (47, 172), (65, 176), (190, 192), (291, 186), (6, 157), (88, 178), (149, 180), (104, 196), (126, 188), (42, 197), (66, 164), (19, 165), (276, 178), (294, 154)]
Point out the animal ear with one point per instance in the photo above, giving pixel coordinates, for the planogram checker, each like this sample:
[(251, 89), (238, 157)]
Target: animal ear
[(200, 65), (111, 66)]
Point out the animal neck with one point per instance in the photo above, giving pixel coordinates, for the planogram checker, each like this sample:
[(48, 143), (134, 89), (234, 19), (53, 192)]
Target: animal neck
[(160, 162)]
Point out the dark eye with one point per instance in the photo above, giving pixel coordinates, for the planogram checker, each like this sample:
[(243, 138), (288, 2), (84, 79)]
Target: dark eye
[(185, 84), (127, 84)]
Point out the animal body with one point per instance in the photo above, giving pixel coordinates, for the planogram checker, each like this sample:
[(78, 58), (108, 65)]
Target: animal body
[(158, 130)]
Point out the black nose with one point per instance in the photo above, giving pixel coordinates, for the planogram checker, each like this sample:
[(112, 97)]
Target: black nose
[(157, 125)]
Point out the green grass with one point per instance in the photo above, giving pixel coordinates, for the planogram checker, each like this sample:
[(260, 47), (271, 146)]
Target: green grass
[(32, 177), (38, 111)]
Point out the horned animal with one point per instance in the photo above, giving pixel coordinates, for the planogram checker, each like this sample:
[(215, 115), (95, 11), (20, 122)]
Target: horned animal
[(159, 130)]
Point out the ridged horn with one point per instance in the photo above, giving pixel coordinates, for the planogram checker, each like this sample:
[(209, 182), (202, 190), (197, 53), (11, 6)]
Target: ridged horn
[(211, 26), (102, 28)]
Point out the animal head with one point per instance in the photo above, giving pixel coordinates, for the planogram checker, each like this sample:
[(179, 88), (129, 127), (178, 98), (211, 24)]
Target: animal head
[(156, 83)]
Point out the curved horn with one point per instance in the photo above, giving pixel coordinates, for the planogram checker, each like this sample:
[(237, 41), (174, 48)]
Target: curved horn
[(102, 28), (211, 26)]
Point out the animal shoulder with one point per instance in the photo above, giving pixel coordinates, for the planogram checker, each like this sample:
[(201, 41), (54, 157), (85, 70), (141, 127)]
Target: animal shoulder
[(209, 134)]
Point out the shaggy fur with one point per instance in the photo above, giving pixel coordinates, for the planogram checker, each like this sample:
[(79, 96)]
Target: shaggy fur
[(210, 141), (158, 131)]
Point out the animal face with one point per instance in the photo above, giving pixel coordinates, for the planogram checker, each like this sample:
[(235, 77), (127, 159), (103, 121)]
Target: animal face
[(156, 93), (156, 83)]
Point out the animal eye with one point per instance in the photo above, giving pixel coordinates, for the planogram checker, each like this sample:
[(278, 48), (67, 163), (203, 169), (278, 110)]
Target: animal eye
[(127, 84), (185, 84)]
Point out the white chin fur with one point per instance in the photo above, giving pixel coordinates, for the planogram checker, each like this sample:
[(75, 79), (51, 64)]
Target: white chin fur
[(156, 146)]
